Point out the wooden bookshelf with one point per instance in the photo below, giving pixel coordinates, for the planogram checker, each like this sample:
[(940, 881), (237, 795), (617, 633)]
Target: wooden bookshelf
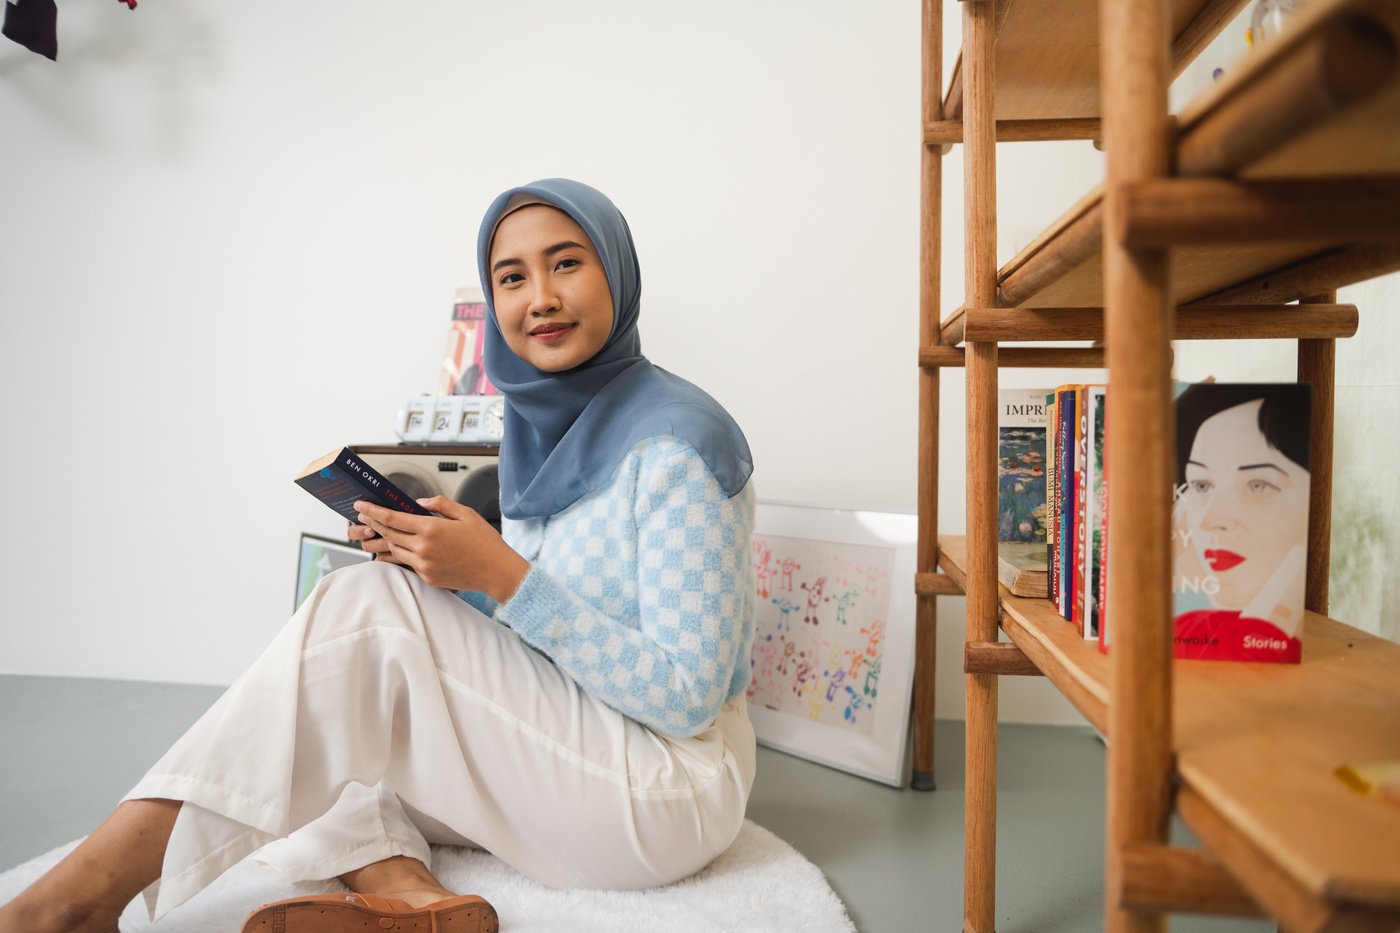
[(1259, 742), (1280, 184)]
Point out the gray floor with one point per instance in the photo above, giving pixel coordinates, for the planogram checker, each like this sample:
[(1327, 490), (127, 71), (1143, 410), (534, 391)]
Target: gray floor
[(69, 748)]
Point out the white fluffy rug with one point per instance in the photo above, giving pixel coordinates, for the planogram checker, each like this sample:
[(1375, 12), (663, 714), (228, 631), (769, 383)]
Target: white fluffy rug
[(760, 884)]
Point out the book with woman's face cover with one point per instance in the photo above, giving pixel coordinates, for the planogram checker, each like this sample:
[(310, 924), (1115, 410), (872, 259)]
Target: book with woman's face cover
[(1240, 521)]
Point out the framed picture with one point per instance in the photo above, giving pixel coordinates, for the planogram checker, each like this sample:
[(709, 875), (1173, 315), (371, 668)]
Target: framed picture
[(318, 557), (833, 655)]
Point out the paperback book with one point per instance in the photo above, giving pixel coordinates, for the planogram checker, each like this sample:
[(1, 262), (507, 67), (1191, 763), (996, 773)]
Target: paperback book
[(1095, 499), (1240, 521), (1064, 480), (1021, 465), (341, 478)]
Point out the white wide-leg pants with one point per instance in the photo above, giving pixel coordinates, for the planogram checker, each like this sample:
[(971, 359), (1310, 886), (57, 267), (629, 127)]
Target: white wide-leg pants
[(389, 714)]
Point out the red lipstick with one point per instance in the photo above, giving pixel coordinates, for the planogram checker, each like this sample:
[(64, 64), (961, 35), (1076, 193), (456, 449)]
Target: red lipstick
[(1221, 559)]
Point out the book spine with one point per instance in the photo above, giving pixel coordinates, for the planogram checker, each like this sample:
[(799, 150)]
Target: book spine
[(1065, 556), (1081, 505), (1095, 406), (350, 479), (1103, 567), (1052, 497)]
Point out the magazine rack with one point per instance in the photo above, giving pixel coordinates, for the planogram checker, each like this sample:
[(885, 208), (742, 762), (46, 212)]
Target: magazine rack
[(1281, 184)]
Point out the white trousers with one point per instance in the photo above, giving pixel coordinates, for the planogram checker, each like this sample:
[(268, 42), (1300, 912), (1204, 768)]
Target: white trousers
[(389, 714)]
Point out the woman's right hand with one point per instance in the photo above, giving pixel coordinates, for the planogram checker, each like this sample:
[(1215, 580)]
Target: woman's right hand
[(370, 542)]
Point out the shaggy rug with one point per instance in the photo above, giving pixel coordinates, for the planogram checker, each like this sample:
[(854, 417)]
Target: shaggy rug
[(760, 884)]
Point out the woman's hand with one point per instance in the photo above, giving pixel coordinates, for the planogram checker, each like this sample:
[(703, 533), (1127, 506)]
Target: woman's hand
[(455, 549)]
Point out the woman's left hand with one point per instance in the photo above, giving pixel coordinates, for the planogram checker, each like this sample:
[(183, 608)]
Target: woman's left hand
[(455, 549)]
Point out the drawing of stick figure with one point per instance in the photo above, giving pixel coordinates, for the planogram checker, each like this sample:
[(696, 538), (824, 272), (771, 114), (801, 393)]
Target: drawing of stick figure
[(786, 567), (763, 572), (844, 602), (872, 680), (814, 598)]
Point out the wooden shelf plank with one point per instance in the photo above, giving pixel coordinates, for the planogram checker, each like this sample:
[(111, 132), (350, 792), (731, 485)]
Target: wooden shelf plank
[(1260, 743), (1047, 55), (1359, 136)]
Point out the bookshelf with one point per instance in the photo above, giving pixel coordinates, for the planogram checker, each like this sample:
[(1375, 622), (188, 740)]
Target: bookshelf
[(1280, 184)]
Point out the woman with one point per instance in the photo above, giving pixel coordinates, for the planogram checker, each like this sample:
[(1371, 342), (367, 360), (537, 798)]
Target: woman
[(1241, 521), (570, 697)]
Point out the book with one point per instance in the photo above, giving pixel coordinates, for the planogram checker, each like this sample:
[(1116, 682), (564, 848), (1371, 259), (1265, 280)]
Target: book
[(462, 371), (1064, 479), (1240, 521), (341, 478), (1081, 507), (1052, 498), (1095, 499), (1021, 465), (1021, 567)]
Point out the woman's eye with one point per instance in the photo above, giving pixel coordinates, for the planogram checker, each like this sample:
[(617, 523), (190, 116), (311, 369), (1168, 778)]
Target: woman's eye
[(567, 263), (510, 278), (1260, 487), (1201, 487)]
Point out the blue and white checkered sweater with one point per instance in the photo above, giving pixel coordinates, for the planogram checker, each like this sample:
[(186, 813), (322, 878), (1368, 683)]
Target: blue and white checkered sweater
[(642, 591)]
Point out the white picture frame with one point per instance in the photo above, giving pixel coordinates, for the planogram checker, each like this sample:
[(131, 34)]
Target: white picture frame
[(833, 656)]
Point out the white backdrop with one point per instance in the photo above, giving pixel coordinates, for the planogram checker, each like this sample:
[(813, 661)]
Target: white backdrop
[(232, 233)]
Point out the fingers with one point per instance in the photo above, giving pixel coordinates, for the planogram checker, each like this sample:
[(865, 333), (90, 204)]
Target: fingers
[(380, 518)]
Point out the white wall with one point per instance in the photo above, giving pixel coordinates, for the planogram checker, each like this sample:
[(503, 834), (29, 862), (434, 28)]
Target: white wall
[(233, 231)]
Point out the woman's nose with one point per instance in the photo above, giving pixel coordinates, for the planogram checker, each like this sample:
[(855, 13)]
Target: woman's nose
[(544, 299), (1220, 513)]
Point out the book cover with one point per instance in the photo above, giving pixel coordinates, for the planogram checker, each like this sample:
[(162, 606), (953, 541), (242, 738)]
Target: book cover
[(1095, 491), (1240, 521), (1052, 498), (1021, 568), (1021, 465), (463, 372), (341, 478), (1064, 451)]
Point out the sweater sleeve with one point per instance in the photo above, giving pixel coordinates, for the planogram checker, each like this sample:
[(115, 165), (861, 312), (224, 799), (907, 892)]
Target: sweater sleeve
[(672, 668)]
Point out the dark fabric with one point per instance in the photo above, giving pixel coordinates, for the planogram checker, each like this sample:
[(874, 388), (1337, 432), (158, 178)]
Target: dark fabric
[(34, 25)]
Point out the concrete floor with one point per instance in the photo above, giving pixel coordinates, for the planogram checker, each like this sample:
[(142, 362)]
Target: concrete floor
[(69, 748)]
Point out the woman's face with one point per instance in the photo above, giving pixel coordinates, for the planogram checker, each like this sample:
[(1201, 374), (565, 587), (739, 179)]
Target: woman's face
[(1246, 503), (549, 289)]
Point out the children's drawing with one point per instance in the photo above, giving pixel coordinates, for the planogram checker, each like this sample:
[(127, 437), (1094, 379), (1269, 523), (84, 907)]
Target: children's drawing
[(822, 608)]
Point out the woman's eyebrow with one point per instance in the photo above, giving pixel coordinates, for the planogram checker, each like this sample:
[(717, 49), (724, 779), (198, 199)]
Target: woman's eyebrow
[(548, 251), (1261, 466)]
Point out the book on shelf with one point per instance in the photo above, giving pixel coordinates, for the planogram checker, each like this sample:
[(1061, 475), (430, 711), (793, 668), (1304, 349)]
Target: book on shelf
[(1240, 520), (1052, 500), (1095, 410), (1021, 567), (1021, 465), (1064, 480), (341, 478), (1081, 506)]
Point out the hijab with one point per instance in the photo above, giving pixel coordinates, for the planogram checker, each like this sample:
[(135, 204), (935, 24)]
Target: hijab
[(566, 432)]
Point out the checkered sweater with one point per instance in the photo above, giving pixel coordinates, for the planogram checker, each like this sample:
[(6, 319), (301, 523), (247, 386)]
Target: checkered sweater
[(642, 591)]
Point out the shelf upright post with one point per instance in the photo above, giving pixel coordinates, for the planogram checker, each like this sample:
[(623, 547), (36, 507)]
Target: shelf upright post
[(1138, 312), (1317, 366), (930, 334), (979, 215)]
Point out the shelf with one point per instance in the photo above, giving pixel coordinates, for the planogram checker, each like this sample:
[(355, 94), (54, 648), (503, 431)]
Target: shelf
[(1257, 744), (1320, 101), (1047, 55)]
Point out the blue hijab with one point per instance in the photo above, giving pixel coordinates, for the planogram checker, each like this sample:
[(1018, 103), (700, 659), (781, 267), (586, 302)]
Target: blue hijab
[(566, 433)]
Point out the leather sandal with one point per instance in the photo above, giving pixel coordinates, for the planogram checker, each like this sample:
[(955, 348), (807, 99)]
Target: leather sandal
[(366, 913)]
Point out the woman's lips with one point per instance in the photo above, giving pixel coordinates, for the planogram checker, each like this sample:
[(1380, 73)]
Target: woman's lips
[(549, 332), (1221, 559)]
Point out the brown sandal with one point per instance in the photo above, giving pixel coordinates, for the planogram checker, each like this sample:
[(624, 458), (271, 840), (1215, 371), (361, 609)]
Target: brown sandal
[(366, 913)]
